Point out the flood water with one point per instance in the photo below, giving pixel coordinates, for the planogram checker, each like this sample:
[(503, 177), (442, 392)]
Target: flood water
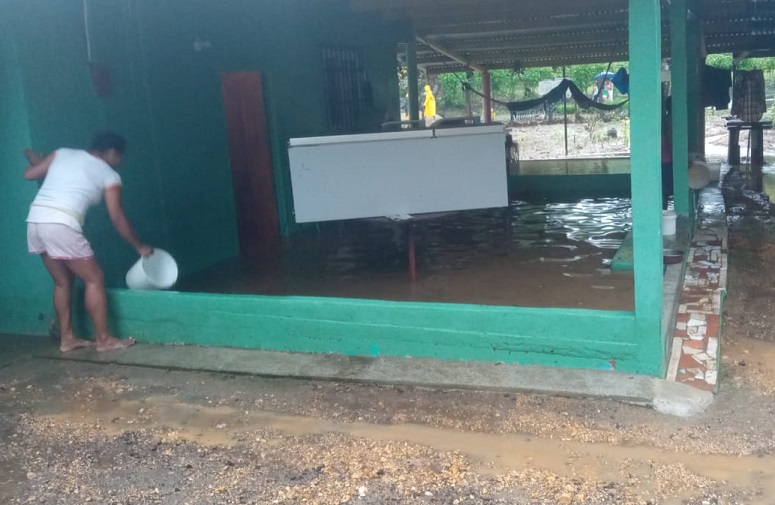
[(527, 254), (749, 191)]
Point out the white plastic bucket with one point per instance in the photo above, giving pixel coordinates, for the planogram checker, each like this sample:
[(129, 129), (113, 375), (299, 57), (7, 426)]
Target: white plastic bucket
[(715, 171), (157, 271), (668, 222), (699, 175)]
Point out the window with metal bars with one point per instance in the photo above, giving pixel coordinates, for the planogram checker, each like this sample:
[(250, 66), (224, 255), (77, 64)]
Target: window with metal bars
[(347, 89)]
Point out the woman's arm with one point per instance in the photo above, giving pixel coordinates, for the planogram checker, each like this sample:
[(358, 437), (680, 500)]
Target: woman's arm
[(120, 221), (38, 167), (32, 157)]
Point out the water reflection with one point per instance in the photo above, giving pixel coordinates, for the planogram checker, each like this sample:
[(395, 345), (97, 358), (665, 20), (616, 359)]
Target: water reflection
[(572, 166), (749, 190), (539, 254)]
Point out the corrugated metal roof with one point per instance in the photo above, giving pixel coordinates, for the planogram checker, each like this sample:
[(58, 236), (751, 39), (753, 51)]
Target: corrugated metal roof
[(517, 33)]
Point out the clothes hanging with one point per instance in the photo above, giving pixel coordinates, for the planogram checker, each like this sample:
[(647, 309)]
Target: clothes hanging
[(621, 80), (553, 96), (715, 84), (748, 100)]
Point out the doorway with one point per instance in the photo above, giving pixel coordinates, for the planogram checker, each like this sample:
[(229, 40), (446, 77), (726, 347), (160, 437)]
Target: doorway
[(251, 163)]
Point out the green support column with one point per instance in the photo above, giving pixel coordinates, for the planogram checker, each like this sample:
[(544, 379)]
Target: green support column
[(645, 112), (695, 64), (679, 66), (411, 78)]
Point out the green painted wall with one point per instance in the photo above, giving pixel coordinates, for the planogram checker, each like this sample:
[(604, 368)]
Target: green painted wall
[(25, 305), (166, 99), (556, 337)]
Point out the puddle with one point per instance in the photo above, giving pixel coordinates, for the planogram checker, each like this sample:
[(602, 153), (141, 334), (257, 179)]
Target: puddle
[(493, 452)]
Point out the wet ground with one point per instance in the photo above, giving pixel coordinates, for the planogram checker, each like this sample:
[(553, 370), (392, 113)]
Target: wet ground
[(75, 433), (529, 254)]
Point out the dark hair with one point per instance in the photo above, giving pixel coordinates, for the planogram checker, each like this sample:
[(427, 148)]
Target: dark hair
[(107, 140)]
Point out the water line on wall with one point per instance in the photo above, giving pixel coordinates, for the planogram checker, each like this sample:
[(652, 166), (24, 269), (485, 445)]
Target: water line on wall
[(86, 31)]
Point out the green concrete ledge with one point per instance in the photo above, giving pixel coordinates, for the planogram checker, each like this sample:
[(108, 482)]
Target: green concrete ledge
[(563, 187), (575, 338)]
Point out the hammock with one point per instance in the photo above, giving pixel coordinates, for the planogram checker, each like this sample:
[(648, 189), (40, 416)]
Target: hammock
[(552, 97)]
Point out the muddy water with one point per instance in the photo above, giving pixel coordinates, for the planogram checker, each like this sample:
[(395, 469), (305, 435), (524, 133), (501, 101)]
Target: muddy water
[(749, 191), (495, 453), (527, 254)]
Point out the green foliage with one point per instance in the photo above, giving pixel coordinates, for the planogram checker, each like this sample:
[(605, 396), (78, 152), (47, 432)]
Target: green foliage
[(511, 85), (584, 75), (530, 77), (507, 86), (452, 94), (725, 61)]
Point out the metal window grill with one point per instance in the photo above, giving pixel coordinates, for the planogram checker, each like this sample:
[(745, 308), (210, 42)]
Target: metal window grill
[(346, 87)]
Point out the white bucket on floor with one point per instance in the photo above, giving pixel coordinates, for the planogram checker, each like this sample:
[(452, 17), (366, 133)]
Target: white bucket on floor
[(669, 218), (715, 171), (157, 271), (699, 175)]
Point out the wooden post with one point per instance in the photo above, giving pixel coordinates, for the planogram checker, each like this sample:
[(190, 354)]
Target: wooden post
[(411, 78), (487, 92)]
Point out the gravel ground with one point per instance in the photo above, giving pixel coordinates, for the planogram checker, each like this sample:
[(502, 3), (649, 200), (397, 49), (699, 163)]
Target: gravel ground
[(78, 433), (75, 433)]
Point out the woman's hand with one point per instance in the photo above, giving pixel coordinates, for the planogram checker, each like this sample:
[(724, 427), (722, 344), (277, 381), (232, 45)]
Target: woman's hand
[(144, 250), (38, 167), (32, 157)]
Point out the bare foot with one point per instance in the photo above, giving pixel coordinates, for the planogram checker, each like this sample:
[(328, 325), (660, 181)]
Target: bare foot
[(72, 343), (114, 344)]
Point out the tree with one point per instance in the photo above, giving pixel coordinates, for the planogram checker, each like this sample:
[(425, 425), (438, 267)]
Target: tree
[(514, 85), (725, 61)]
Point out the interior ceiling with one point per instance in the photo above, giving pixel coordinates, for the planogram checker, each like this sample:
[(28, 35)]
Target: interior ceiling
[(513, 34)]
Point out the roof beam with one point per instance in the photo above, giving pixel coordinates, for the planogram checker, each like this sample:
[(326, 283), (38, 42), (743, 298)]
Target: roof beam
[(435, 8), (488, 41), (484, 23), (450, 54)]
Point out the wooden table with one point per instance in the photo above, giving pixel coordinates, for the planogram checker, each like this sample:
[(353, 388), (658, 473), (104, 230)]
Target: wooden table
[(756, 140)]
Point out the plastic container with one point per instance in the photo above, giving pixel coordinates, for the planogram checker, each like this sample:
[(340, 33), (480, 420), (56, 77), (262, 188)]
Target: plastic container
[(715, 171), (672, 256), (699, 175), (157, 271), (669, 218)]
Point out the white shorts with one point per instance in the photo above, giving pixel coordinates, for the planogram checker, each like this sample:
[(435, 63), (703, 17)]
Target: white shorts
[(59, 241)]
